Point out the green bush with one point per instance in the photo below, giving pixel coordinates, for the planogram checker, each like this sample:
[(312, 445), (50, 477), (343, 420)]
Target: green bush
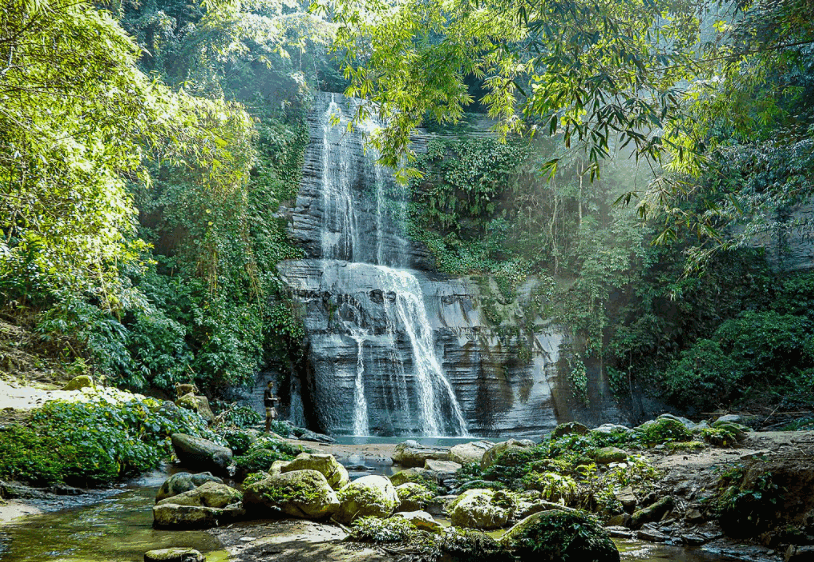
[(238, 416), (93, 443), (262, 454), (704, 377), (239, 441), (663, 430), (563, 536)]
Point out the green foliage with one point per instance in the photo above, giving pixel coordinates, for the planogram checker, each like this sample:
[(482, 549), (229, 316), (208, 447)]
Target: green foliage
[(237, 415), (553, 487), (747, 506), (719, 436), (262, 454), (373, 529), (562, 535), (466, 545), (511, 466), (663, 430), (93, 443), (239, 441)]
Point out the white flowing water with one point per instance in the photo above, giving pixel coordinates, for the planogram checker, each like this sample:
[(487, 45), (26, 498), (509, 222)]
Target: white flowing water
[(417, 382)]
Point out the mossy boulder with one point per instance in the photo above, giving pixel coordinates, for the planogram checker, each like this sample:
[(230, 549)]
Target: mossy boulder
[(201, 452), (80, 382), (607, 455), (560, 536), (420, 520), (170, 515), (663, 430), (369, 496), (327, 465), (198, 404), (477, 509), (652, 513), (490, 456), (417, 475), (181, 482), (300, 493), (413, 496), (569, 428), (209, 494)]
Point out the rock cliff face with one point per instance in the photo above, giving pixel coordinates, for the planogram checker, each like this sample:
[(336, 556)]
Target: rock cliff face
[(393, 348)]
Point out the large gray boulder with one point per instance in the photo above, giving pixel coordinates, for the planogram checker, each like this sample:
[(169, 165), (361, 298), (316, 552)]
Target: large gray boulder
[(201, 452), (300, 493), (475, 509), (369, 496), (209, 494), (327, 465), (465, 453), (411, 453), (183, 482)]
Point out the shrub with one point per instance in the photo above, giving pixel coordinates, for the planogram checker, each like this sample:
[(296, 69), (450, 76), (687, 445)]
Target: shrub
[(663, 430), (561, 535), (554, 487), (239, 441)]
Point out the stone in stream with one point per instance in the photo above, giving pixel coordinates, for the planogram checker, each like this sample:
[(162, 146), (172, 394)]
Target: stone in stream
[(174, 555), (465, 453), (300, 493), (183, 482), (369, 496), (80, 382), (475, 509), (653, 513), (209, 494), (327, 465), (170, 515), (412, 454), (201, 452)]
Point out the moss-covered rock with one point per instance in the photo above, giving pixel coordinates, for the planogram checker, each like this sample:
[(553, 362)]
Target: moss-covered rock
[(417, 475), (476, 509), (607, 455), (500, 449), (369, 496), (209, 494), (652, 513), (413, 496), (170, 515), (411, 453), (300, 493), (80, 382), (327, 465), (560, 536), (420, 520), (181, 482), (569, 428)]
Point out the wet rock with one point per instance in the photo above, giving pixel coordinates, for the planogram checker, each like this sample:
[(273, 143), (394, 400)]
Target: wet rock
[(560, 535), (183, 482), (653, 513), (80, 382), (619, 520), (443, 472), (420, 520), (607, 455), (300, 493), (464, 453), (186, 516), (490, 456), (201, 452), (199, 404), (619, 532), (412, 454), (651, 535), (174, 555), (209, 494), (327, 465), (308, 435), (691, 539), (369, 496), (569, 428), (475, 509)]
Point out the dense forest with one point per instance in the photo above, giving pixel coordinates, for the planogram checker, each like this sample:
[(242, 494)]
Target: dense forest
[(650, 167)]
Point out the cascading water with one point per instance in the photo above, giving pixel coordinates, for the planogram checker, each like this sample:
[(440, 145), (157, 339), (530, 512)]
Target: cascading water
[(393, 347), (417, 383)]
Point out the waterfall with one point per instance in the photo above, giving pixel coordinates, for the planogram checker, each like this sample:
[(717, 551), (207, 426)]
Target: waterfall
[(417, 381)]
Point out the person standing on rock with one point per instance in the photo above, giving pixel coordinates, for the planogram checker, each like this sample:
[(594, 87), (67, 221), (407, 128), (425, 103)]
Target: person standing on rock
[(270, 401)]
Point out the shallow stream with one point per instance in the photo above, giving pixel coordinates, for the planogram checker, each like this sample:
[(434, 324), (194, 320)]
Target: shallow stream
[(118, 528)]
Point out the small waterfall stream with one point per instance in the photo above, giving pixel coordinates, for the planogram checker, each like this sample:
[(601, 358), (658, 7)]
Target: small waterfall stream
[(419, 390)]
